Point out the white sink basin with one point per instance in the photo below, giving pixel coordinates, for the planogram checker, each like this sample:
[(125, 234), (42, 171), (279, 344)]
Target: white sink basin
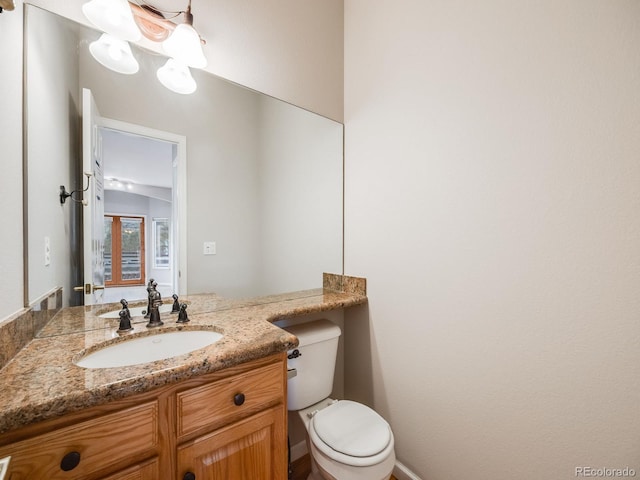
[(136, 311), (149, 348)]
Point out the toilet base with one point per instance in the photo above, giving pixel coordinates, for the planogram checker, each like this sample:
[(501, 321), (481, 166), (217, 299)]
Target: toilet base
[(321, 465), (316, 476)]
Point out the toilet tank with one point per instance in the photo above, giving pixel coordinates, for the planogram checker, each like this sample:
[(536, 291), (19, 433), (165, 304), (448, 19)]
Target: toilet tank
[(315, 364)]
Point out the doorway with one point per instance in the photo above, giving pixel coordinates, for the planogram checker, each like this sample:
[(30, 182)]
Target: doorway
[(142, 203)]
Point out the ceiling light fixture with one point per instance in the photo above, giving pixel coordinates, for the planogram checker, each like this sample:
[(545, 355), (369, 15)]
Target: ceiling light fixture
[(184, 43), (176, 77), (130, 21), (115, 54), (7, 5), (152, 22), (114, 17), (113, 183)]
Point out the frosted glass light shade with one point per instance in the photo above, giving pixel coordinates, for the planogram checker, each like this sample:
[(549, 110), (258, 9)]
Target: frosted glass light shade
[(176, 77), (114, 17), (184, 45), (115, 54)]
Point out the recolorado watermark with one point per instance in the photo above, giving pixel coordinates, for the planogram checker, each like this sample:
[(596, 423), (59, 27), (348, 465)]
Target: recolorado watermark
[(605, 472)]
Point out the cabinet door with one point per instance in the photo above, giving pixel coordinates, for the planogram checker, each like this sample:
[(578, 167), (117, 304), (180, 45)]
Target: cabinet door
[(78, 451), (251, 449)]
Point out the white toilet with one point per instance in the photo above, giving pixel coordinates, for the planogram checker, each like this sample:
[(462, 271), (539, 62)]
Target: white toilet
[(346, 440)]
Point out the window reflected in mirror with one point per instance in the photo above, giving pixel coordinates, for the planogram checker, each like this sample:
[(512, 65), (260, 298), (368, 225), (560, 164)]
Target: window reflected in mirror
[(161, 243)]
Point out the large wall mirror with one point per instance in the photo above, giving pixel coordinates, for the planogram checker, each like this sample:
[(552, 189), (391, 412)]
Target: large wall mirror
[(262, 178)]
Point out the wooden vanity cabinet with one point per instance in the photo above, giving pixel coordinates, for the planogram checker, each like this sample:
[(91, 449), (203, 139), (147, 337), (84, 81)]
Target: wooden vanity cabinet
[(230, 424), (253, 446)]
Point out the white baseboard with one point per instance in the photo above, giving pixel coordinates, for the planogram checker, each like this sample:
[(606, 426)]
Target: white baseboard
[(402, 472), (298, 450)]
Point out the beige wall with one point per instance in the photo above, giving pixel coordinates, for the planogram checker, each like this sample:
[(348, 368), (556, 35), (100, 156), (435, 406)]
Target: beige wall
[(492, 179), (300, 195), (52, 151), (11, 286)]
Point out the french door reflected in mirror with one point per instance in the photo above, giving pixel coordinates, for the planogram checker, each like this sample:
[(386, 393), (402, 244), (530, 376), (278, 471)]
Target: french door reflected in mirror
[(124, 250)]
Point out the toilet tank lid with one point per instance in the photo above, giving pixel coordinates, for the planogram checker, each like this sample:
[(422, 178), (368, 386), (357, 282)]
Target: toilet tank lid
[(313, 332)]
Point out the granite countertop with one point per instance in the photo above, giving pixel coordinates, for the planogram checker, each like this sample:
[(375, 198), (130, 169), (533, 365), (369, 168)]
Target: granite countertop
[(42, 382)]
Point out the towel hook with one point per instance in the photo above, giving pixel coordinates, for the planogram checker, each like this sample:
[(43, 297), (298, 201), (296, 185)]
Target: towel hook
[(64, 194)]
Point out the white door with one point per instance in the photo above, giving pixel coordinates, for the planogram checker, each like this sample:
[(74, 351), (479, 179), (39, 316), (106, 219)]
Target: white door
[(93, 216)]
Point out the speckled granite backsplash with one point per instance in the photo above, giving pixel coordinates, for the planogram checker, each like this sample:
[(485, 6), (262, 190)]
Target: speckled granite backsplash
[(19, 329), (344, 283)]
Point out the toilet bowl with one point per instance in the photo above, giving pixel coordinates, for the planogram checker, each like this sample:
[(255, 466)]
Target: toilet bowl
[(346, 440)]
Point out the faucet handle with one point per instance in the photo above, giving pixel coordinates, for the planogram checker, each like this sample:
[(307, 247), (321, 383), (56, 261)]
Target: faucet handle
[(125, 321), (176, 304), (182, 316)]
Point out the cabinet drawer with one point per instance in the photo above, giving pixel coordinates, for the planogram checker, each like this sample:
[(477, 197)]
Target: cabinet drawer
[(87, 446), (229, 399), (144, 471)]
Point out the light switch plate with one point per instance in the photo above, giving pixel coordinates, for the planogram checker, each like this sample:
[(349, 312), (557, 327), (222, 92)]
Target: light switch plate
[(209, 248), (47, 258)]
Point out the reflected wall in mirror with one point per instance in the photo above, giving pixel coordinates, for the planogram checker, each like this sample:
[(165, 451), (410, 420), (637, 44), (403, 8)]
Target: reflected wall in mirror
[(264, 178)]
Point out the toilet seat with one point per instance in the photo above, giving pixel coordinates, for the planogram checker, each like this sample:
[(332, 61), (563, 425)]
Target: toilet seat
[(351, 433)]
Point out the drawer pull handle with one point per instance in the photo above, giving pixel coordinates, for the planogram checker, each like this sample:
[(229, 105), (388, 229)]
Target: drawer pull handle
[(70, 461), (295, 354), (238, 399), (189, 476)]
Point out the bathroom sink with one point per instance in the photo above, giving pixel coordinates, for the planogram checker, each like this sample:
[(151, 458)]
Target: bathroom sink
[(136, 311), (149, 348)]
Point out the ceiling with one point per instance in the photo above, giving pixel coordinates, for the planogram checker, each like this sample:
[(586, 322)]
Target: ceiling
[(137, 159)]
